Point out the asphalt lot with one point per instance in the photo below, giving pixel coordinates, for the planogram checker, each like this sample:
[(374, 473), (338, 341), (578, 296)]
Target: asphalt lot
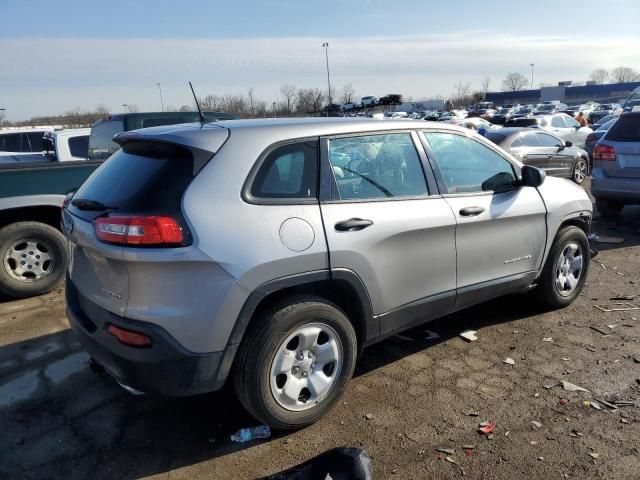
[(60, 420)]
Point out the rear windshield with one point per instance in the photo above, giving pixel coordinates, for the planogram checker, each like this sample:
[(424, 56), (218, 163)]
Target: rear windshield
[(142, 177), (522, 122), (626, 129), (495, 137)]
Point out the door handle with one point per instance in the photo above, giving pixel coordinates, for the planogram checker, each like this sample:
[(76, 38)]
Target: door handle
[(471, 211), (353, 225)]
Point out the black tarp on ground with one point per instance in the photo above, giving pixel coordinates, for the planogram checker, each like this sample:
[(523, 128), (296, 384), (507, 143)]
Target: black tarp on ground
[(336, 464)]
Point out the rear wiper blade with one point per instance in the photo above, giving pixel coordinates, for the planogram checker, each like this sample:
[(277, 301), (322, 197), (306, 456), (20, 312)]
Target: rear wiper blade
[(84, 204)]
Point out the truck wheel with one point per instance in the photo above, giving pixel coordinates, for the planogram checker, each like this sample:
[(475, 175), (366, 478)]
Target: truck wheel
[(580, 170), (566, 268), (608, 208), (34, 258), (296, 362)]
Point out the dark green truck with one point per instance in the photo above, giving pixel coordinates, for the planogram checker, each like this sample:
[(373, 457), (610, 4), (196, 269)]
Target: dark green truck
[(33, 252)]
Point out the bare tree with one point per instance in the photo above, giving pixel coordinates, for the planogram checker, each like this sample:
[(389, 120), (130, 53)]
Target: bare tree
[(624, 75), (461, 91), (484, 85), (514, 81), (250, 94), (348, 92), (599, 75), (289, 93), (185, 108)]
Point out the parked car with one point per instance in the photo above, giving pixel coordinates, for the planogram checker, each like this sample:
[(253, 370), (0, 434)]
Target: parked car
[(616, 166), (603, 120), (350, 106), (22, 140), (333, 109), (62, 145), (560, 124), (101, 144), (501, 116), (603, 110), (172, 293), (596, 135), (543, 150), (391, 99), (475, 123), (573, 110), (631, 106), (550, 108), (369, 101), (522, 113)]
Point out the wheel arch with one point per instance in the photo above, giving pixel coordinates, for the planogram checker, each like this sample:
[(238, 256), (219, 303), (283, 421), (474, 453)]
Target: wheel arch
[(47, 214), (340, 286)]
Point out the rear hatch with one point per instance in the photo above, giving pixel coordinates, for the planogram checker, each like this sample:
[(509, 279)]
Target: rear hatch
[(144, 179), (624, 137)]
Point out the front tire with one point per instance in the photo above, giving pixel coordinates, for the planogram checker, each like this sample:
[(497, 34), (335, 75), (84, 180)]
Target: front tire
[(33, 259), (566, 268), (295, 362)]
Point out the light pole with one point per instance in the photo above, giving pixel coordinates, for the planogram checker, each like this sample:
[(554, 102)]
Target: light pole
[(275, 114), (126, 105), (532, 65), (326, 55), (161, 102)]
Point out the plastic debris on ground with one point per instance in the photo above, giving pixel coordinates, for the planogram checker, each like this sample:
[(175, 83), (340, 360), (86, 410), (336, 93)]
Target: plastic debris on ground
[(248, 434), (617, 307), (448, 451), (486, 427), (547, 339), (570, 387), (536, 424), (430, 335), (509, 361), (594, 455), (336, 464), (469, 335)]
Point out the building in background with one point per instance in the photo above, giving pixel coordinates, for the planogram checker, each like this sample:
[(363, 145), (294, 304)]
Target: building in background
[(604, 93)]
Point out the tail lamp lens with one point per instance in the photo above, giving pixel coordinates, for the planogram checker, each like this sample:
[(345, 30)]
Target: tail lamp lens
[(140, 230), (604, 153)]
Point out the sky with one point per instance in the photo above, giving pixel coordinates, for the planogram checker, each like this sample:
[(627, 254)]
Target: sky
[(77, 54)]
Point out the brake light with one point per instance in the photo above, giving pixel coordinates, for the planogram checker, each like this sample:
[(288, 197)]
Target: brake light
[(139, 230), (604, 153), (129, 337)]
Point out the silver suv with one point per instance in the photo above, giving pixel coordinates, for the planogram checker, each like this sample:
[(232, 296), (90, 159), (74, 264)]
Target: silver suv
[(271, 252)]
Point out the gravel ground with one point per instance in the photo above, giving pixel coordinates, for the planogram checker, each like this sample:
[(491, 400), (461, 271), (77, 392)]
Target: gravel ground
[(410, 396)]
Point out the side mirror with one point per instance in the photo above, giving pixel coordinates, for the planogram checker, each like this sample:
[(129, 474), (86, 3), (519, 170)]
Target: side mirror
[(532, 176), (568, 144)]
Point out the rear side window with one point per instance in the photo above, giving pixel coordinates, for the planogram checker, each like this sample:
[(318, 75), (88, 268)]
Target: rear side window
[(626, 129), (10, 142), (157, 122), (101, 144), (530, 140), (558, 122), (548, 140), (288, 172), (496, 138), (79, 146), (142, 177)]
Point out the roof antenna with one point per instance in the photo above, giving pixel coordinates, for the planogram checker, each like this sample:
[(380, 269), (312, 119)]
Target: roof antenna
[(200, 114)]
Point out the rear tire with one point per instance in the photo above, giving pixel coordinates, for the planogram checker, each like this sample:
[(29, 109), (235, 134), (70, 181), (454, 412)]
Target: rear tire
[(609, 208), (275, 363), (580, 170), (44, 262), (566, 268)]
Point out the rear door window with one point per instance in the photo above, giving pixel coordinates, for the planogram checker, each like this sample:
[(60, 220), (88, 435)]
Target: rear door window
[(548, 140), (10, 142), (79, 146), (530, 140), (626, 129), (558, 122), (142, 177), (101, 144), (34, 142)]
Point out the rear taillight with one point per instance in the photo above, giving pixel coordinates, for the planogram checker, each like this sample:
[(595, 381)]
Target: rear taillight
[(129, 337), (139, 230), (604, 153)]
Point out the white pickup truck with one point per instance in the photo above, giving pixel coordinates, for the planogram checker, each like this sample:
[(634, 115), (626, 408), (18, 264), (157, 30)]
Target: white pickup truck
[(54, 146)]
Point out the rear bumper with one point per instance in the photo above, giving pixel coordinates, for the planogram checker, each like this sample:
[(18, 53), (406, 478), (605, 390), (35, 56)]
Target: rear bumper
[(626, 190), (166, 367)]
